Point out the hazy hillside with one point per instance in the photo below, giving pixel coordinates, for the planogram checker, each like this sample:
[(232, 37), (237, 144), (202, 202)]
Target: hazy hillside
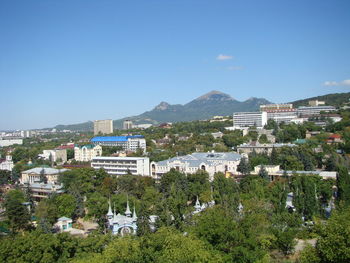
[(334, 99)]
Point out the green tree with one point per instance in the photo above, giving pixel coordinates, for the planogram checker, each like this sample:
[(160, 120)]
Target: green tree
[(334, 243), (244, 166), (343, 185), (263, 173), (16, 212), (66, 205)]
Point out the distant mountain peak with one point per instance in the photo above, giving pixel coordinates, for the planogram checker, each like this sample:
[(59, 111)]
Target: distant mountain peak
[(162, 106), (215, 95)]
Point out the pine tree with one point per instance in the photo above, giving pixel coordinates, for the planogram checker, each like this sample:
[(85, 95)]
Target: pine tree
[(244, 166), (343, 184), (263, 173)]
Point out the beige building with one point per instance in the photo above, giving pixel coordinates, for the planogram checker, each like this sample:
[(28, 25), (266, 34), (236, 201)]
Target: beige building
[(103, 127), (212, 162), (56, 155), (127, 125), (33, 175), (85, 153), (316, 102)]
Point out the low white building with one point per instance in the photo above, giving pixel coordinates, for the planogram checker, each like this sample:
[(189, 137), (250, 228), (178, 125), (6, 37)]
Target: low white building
[(9, 142), (212, 162), (85, 153), (6, 164), (64, 224), (122, 165)]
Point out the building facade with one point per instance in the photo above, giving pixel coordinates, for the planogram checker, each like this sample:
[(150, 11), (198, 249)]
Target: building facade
[(7, 163), (286, 116), (41, 190), (85, 153), (33, 175), (212, 162), (276, 107), (122, 224), (316, 102), (314, 110), (261, 148), (103, 127), (122, 165), (9, 142), (127, 143), (250, 119), (127, 125), (56, 155)]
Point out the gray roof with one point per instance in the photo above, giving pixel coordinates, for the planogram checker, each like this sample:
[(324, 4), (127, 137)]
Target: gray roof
[(46, 186), (210, 158), (38, 170), (63, 218)]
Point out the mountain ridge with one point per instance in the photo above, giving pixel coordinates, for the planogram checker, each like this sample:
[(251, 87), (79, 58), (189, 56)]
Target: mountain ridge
[(203, 107)]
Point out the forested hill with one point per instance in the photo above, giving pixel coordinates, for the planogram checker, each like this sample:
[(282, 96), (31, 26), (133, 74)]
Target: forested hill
[(334, 99)]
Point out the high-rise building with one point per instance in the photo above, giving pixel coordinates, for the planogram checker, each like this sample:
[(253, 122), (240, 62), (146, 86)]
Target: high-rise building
[(103, 127), (250, 119), (127, 125)]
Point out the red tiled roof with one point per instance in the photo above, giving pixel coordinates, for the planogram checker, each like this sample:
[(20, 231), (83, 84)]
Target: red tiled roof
[(335, 136)]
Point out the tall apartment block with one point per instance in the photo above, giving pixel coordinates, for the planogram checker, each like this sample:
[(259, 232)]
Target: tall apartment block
[(103, 127), (127, 125)]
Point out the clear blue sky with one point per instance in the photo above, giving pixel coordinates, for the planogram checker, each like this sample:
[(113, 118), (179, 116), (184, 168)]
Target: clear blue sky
[(69, 61)]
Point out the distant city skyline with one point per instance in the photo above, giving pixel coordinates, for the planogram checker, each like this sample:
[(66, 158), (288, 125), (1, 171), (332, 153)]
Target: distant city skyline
[(65, 62)]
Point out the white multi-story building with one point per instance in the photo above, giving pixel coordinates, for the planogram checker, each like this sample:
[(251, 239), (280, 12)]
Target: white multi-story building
[(85, 153), (103, 127), (122, 165), (6, 164), (276, 107), (9, 142), (128, 143), (212, 162), (280, 116), (314, 110), (250, 119), (280, 112)]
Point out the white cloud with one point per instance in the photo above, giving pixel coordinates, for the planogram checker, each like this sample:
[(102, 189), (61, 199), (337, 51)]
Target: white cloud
[(330, 83), (235, 68), (224, 57), (345, 82)]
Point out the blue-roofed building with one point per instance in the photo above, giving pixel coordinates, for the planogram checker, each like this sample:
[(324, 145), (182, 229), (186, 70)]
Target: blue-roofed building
[(212, 162), (128, 143)]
